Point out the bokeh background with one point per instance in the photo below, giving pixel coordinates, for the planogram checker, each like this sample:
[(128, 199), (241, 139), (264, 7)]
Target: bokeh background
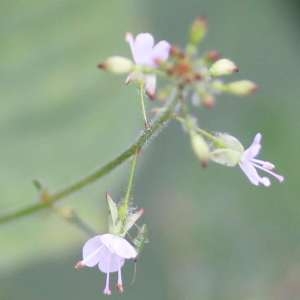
[(213, 235)]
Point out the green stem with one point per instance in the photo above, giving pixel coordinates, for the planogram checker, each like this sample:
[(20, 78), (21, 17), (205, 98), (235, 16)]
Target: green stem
[(143, 104), (130, 181), (204, 133), (211, 137), (158, 123)]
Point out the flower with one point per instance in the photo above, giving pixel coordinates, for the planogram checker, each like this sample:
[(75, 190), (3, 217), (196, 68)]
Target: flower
[(145, 54), (109, 252), (248, 163)]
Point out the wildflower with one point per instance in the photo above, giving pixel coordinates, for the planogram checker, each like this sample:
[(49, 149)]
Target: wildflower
[(248, 163), (145, 54), (109, 252), (232, 153)]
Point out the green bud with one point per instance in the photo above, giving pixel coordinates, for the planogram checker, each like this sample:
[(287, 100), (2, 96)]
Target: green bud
[(231, 152), (200, 147), (222, 67), (117, 65), (241, 88), (198, 30)]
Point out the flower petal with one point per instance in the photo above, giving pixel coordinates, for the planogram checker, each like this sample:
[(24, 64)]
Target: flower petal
[(118, 246), (123, 248), (161, 51), (254, 148), (142, 49), (250, 172), (91, 251), (130, 40), (110, 262), (150, 85), (108, 241)]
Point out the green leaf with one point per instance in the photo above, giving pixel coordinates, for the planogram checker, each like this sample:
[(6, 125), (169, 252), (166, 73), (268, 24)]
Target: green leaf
[(113, 209), (131, 220)]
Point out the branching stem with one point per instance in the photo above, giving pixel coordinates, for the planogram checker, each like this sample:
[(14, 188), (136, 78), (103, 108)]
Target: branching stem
[(154, 127)]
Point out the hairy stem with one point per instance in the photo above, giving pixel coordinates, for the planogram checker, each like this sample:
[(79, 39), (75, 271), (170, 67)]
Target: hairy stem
[(154, 127), (143, 105), (130, 182)]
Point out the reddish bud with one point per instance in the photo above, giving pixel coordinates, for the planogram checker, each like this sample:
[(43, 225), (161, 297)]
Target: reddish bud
[(212, 56), (176, 52)]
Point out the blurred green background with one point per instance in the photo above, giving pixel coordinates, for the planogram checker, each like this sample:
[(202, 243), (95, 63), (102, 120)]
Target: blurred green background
[(213, 235)]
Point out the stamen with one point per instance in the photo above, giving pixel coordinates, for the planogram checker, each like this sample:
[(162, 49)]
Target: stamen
[(265, 181), (120, 277), (277, 176), (107, 290), (79, 265), (120, 287), (264, 164)]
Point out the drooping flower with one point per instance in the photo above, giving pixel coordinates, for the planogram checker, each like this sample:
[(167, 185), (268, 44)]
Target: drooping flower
[(248, 163), (145, 54), (109, 252), (231, 153)]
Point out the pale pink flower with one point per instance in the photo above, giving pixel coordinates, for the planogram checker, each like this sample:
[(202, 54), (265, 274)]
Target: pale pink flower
[(144, 53), (109, 252), (249, 164)]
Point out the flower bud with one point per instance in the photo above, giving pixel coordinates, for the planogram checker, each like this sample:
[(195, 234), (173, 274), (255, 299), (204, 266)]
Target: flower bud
[(117, 65), (241, 88), (222, 67), (177, 52), (212, 56), (208, 101), (198, 30), (200, 148)]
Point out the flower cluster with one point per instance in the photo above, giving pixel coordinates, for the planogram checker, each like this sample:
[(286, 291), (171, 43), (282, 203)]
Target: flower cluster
[(196, 80)]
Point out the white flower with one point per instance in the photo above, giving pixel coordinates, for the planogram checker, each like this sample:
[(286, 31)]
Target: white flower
[(249, 164), (144, 53), (109, 252)]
